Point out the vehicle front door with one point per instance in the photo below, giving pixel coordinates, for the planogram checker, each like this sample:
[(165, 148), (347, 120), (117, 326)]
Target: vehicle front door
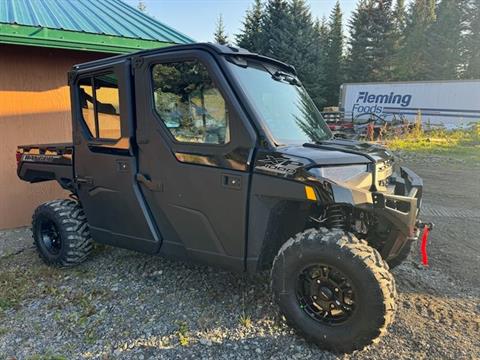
[(195, 146)]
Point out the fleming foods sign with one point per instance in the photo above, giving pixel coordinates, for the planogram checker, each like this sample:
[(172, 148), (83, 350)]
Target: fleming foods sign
[(374, 103)]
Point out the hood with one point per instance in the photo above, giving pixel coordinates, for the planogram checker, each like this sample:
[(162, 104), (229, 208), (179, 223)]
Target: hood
[(292, 160), (339, 152)]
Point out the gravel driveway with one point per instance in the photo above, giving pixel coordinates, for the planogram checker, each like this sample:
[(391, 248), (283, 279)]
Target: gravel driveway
[(123, 305)]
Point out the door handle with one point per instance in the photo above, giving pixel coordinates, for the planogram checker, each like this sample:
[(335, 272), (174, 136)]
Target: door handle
[(149, 184), (87, 180), (232, 182)]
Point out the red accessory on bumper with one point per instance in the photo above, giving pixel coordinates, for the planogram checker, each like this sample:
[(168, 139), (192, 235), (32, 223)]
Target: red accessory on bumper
[(426, 232)]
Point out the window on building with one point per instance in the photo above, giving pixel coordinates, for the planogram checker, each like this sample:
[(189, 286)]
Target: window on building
[(99, 101), (189, 103)]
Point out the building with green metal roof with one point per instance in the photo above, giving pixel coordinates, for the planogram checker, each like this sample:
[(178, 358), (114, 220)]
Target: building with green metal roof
[(40, 41), (103, 25)]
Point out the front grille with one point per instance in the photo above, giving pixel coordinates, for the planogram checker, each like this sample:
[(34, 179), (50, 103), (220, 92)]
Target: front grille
[(384, 170)]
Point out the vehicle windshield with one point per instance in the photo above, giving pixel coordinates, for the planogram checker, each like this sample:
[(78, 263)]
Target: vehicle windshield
[(283, 105)]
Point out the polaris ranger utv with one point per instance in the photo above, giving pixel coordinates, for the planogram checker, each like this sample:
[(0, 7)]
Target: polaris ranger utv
[(218, 155)]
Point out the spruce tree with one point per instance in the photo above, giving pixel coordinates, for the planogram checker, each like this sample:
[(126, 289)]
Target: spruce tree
[(287, 33), (334, 56), (220, 35), (383, 38), (472, 42), (321, 32), (398, 37), (445, 40), (399, 17), (299, 48), (275, 27), (372, 41), (414, 58), (251, 36), (359, 58), (298, 35)]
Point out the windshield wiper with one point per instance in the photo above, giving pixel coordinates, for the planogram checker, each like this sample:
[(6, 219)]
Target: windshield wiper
[(283, 76)]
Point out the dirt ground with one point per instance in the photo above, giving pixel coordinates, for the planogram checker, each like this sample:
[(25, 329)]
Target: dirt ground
[(126, 305)]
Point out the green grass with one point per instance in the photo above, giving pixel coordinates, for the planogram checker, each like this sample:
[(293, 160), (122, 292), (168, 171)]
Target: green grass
[(459, 144), (18, 284), (182, 333), (245, 320)]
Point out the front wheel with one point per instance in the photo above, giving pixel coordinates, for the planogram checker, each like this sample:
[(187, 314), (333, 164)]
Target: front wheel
[(334, 288)]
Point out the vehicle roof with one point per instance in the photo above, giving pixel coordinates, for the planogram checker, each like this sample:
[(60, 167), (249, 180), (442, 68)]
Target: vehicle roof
[(219, 49)]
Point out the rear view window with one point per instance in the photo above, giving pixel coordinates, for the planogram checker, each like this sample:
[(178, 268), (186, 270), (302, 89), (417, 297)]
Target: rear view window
[(99, 102), (86, 103)]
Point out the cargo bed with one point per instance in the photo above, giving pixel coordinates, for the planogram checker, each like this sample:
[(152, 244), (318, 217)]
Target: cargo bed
[(44, 162)]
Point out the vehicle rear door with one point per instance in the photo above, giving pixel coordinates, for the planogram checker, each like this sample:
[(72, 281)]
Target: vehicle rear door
[(195, 146), (104, 159)]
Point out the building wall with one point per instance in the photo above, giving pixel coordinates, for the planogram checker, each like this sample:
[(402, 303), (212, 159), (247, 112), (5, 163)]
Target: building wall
[(34, 108)]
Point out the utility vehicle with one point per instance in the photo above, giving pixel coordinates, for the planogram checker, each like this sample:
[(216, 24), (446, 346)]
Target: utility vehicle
[(215, 154)]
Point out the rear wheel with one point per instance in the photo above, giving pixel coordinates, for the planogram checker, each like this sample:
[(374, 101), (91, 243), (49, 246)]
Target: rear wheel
[(60, 233), (334, 288)]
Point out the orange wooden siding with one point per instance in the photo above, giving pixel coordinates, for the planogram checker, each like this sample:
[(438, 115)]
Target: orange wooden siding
[(34, 108)]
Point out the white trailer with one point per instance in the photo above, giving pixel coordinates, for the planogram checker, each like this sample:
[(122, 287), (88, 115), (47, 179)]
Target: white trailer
[(448, 103)]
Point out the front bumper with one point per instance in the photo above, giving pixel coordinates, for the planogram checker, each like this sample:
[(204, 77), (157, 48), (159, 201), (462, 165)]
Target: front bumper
[(399, 207), (403, 206)]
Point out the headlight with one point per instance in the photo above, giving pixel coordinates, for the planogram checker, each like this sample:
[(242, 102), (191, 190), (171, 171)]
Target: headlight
[(339, 173)]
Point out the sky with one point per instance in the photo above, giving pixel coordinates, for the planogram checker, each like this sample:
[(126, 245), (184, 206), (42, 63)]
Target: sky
[(197, 18)]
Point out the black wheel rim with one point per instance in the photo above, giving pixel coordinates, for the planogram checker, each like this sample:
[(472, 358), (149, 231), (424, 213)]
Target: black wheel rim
[(325, 294), (50, 236)]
